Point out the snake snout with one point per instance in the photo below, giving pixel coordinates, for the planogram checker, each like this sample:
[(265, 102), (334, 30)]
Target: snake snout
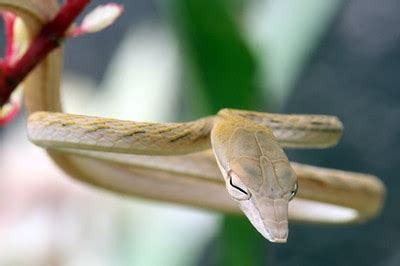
[(276, 232), (269, 217)]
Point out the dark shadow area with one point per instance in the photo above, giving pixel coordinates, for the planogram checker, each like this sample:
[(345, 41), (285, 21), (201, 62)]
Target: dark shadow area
[(354, 75)]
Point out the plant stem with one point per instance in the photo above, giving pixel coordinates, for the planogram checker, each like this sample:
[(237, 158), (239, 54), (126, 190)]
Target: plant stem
[(49, 38)]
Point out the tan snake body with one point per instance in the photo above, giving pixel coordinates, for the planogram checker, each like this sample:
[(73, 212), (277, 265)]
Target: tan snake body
[(92, 136), (52, 129), (77, 145)]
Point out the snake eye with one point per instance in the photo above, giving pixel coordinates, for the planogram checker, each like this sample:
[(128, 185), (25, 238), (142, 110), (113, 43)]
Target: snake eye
[(294, 192), (236, 188)]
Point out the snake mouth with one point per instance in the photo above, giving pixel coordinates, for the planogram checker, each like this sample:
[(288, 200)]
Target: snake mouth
[(275, 232), (278, 240), (269, 218)]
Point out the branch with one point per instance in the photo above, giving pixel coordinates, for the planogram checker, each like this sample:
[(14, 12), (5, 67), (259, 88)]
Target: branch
[(49, 37)]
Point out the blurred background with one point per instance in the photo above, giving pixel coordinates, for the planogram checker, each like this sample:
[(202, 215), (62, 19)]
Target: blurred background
[(181, 59)]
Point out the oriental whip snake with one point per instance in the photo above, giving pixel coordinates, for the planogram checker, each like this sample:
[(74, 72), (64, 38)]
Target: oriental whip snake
[(174, 162)]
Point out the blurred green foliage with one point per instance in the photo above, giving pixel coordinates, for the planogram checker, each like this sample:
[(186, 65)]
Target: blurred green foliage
[(222, 70), (223, 73)]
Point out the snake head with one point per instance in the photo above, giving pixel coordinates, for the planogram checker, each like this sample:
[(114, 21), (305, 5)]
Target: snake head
[(263, 190), (259, 177)]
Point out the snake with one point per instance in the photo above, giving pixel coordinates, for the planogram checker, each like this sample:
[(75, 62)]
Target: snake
[(232, 162)]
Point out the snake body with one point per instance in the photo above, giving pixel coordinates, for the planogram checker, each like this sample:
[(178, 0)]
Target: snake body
[(247, 147), (94, 150), (112, 135)]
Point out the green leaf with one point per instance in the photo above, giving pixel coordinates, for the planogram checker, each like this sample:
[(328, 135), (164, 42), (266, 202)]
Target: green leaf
[(221, 72), (221, 66)]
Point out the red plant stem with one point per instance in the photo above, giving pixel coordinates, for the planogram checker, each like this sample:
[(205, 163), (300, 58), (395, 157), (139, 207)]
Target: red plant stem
[(49, 38)]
